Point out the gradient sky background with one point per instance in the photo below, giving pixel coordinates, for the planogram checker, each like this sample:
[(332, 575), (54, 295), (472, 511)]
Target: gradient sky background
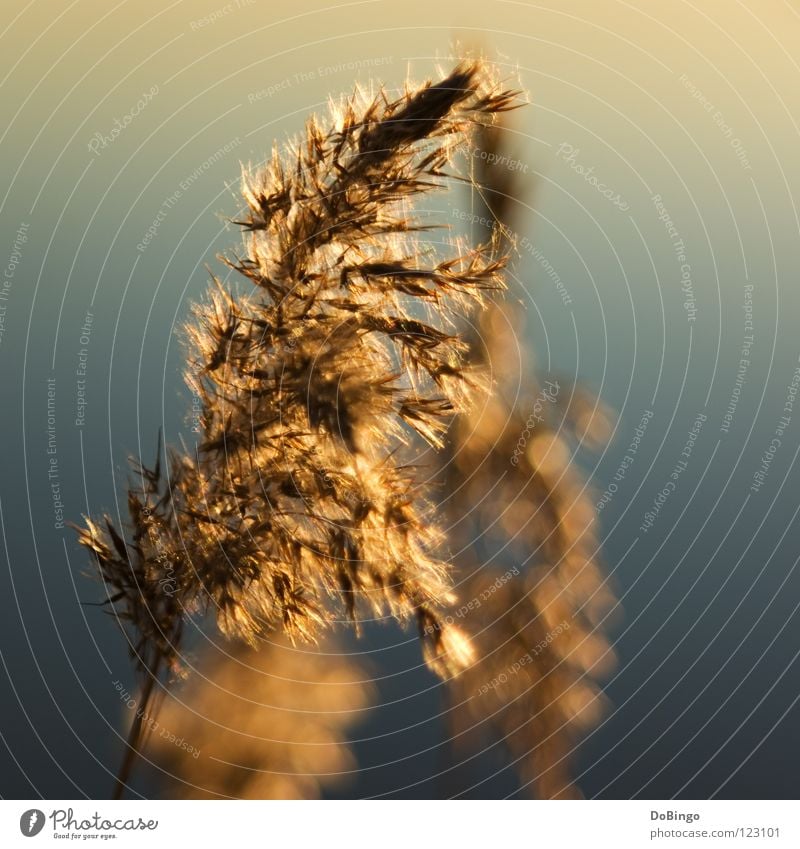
[(697, 103)]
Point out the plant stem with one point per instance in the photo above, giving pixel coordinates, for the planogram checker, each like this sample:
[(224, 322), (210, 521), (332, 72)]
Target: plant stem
[(134, 740)]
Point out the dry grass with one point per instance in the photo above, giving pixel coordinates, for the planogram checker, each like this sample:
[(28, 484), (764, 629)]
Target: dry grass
[(514, 487), (336, 352), (296, 507), (262, 724)]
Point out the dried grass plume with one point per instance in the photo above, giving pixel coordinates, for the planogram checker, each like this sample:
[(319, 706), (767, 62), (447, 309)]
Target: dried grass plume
[(297, 506)]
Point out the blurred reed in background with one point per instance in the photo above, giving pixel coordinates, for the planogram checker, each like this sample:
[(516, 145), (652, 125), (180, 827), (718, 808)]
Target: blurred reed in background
[(533, 593)]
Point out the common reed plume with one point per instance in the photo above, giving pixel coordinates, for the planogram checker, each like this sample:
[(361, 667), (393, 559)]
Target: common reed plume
[(516, 492), (296, 506), (262, 724)]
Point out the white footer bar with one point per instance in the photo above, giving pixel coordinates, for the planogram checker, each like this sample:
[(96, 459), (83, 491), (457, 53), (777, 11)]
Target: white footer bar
[(401, 824)]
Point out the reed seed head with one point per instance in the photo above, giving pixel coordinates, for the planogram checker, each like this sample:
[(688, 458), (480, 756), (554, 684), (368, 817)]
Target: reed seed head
[(297, 506)]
